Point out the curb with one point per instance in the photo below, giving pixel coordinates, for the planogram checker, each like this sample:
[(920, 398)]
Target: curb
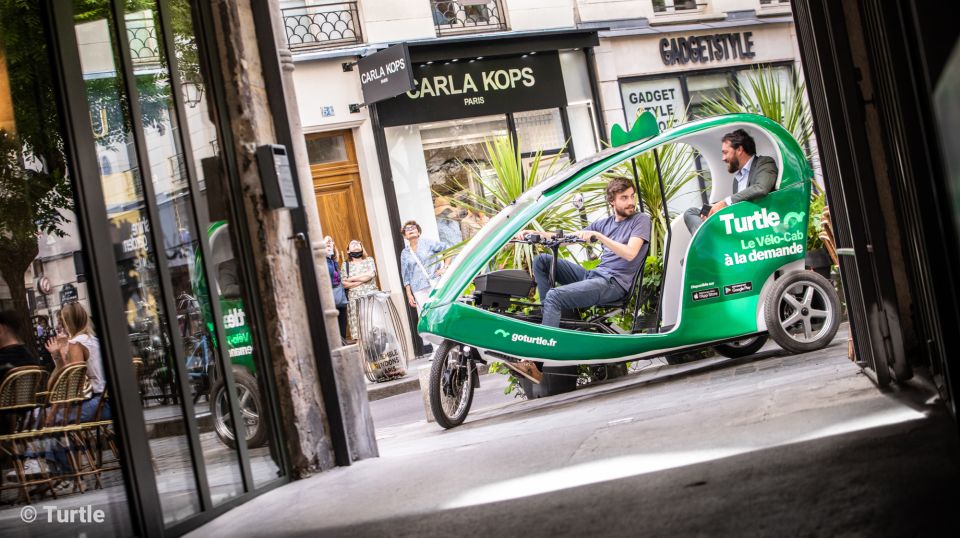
[(409, 383)]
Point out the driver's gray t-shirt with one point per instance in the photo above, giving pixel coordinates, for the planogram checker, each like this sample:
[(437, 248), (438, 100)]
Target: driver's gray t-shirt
[(611, 265)]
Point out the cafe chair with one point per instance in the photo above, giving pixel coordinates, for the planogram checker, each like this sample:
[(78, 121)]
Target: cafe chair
[(18, 407)]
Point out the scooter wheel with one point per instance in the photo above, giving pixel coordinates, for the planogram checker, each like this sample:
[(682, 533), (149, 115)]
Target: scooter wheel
[(451, 384), (802, 312), (741, 348)]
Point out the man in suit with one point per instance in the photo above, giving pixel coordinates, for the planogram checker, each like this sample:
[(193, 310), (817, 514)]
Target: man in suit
[(753, 175)]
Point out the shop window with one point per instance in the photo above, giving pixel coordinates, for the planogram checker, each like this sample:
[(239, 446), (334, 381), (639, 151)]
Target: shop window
[(662, 97), (451, 148), (703, 88), (46, 303), (326, 149), (674, 6), (540, 130)]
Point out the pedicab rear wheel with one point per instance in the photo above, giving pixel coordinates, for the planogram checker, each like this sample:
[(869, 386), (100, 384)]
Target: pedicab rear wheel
[(802, 312), (741, 348), (451, 384)]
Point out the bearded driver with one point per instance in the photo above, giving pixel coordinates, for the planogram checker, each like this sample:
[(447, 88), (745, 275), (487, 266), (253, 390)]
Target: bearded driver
[(624, 235)]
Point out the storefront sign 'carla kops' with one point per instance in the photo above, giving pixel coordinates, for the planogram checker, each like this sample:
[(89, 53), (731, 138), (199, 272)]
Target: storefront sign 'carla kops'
[(464, 88)]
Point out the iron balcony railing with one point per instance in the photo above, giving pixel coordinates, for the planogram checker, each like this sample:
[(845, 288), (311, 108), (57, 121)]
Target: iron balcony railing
[(468, 16), (322, 26)]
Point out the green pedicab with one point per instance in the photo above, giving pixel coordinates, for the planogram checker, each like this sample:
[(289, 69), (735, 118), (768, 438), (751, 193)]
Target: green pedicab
[(239, 342), (738, 278)]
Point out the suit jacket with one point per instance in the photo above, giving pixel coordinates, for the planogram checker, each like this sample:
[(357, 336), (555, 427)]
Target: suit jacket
[(760, 181)]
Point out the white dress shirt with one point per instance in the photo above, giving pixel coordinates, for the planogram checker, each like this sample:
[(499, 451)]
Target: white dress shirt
[(741, 177)]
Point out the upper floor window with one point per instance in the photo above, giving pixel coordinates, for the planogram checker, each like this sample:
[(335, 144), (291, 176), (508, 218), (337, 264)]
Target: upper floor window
[(467, 16), (674, 6), (323, 25)]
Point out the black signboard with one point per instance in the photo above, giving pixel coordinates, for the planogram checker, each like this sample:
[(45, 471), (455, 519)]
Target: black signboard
[(742, 287), (68, 293), (706, 294), (385, 74), (468, 88)]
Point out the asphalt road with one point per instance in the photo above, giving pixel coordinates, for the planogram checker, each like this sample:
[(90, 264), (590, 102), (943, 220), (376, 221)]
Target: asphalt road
[(408, 407)]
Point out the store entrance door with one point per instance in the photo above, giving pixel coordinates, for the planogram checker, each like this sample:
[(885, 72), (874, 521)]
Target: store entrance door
[(336, 184)]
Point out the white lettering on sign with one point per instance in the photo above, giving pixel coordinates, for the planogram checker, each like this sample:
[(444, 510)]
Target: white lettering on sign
[(494, 80), (662, 97), (382, 72), (758, 221), (539, 340), (235, 318), (138, 236)]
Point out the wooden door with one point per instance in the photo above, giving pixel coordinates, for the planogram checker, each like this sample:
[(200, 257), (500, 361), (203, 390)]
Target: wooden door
[(336, 184)]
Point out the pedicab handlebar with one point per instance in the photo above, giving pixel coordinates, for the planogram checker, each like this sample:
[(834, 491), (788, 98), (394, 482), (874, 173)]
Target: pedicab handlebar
[(558, 239)]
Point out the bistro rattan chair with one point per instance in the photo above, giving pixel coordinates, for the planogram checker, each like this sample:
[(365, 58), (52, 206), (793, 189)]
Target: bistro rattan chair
[(18, 404), (62, 418)]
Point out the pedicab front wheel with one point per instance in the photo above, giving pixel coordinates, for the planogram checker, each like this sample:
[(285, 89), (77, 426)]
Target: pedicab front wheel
[(451, 384), (802, 312)]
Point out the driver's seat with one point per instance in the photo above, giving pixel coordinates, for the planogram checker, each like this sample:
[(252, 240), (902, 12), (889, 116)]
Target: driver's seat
[(615, 307)]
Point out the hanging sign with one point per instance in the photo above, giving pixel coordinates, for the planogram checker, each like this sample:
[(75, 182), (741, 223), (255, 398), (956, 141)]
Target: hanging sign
[(385, 74), (472, 87)]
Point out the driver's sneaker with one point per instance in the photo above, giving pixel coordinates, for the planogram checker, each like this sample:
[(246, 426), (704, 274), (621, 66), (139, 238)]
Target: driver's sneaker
[(527, 370)]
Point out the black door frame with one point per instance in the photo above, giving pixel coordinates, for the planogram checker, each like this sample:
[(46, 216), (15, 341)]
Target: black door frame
[(106, 301)]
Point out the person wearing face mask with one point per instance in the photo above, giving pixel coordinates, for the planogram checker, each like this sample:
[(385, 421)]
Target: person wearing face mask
[(359, 273), (339, 294)]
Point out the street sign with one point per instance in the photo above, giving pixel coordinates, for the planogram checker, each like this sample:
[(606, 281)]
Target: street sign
[(385, 74), (68, 293)]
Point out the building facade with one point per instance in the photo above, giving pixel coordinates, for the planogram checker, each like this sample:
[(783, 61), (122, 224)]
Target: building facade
[(590, 65)]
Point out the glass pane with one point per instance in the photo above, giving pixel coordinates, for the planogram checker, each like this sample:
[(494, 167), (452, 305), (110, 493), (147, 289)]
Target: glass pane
[(41, 277), (539, 130), (136, 253), (326, 149), (454, 154), (180, 234), (705, 87), (662, 97), (245, 363)]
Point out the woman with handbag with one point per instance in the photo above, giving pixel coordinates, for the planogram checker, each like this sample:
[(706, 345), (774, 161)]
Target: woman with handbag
[(420, 264)]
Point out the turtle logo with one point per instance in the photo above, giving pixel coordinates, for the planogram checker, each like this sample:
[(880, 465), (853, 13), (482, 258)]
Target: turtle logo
[(501, 332)]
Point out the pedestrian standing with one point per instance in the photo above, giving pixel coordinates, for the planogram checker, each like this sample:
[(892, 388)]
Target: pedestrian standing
[(420, 264), (359, 273), (339, 294)]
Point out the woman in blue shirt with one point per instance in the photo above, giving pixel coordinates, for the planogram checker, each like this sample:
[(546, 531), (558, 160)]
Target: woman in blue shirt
[(420, 264)]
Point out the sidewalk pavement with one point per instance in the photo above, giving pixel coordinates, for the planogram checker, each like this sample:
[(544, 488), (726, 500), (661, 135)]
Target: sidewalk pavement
[(407, 383)]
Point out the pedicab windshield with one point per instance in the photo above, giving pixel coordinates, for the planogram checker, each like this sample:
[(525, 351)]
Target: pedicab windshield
[(517, 207)]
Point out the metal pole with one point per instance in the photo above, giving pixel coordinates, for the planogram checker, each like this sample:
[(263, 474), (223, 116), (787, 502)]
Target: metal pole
[(666, 243)]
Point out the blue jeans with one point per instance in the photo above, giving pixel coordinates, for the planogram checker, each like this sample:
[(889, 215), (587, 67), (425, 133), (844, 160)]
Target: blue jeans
[(51, 447), (578, 288)]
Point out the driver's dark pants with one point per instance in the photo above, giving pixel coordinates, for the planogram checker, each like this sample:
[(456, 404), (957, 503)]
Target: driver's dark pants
[(578, 288), (691, 218)]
